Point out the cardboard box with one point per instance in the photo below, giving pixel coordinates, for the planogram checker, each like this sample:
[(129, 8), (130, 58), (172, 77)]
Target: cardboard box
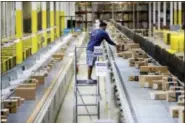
[(40, 78), (5, 112), (133, 78), (32, 81), (157, 84), (120, 48), (181, 115), (171, 96), (4, 121), (125, 55), (166, 85), (174, 111), (161, 69), (170, 78), (58, 56), (158, 95), (22, 100), (18, 100), (27, 85), (148, 80), (132, 61), (26, 93), (133, 45), (138, 64), (4, 117), (11, 104)]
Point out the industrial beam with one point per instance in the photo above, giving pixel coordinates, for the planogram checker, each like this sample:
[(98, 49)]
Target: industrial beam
[(171, 13), (52, 20), (44, 22), (164, 13), (19, 32), (150, 19), (34, 27), (154, 16), (180, 13), (57, 19), (159, 16), (175, 13)]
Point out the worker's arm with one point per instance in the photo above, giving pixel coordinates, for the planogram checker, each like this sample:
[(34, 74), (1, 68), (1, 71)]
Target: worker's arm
[(107, 38)]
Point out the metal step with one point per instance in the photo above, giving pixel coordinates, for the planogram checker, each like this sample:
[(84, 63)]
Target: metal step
[(87, 114), (84, 83), (87, 104)]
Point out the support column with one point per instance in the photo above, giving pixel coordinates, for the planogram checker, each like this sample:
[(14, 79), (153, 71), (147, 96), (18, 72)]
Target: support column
[(62, 18), (57, 19), (52, 20), (154, 16), (44, 26), (65, 13), (19, 32), (175, 13), (164, 14), (150, 19), (34, 27), (180, 13), (159, 16), (171, 13)]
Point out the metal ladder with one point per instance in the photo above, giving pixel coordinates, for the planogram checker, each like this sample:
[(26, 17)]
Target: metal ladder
[(79, 95)]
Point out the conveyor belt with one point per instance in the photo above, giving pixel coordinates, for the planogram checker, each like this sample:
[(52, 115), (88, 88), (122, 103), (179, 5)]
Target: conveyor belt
[(141, 108), (28, 107)]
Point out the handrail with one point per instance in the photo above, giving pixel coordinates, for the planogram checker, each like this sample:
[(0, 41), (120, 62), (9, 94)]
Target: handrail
[(9, 43)]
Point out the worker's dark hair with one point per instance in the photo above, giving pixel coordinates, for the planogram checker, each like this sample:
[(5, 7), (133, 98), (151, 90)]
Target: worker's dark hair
[(102, 24)]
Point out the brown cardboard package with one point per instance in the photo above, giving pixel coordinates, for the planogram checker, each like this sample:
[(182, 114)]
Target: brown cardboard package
[(181, 115), (147, 80), (138, 64), (18, 100), (125, 55), (26, 93), (161, 69), (11, 104), (158, 95), (157, 84), (58, 56), (3, 120), (33, 81), (5, 112), (133, 45), (40, 78), (171, 96), (120, 48), (27, 85), (133, 78), (22, 100)]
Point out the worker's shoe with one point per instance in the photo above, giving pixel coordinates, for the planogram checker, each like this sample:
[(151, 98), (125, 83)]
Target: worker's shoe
[(90, 81)]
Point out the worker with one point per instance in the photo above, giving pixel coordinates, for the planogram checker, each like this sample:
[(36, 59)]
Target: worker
[(96, 38)]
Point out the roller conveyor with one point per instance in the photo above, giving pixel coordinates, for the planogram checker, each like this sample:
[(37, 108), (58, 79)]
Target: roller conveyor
[(27, 111), (141, 108)]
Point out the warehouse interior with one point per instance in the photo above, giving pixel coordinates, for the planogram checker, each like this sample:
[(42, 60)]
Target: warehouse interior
[(44, 62)]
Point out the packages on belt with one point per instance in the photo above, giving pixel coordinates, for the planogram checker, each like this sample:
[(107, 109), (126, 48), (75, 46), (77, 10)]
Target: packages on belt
[(11, 104), (26, 93)]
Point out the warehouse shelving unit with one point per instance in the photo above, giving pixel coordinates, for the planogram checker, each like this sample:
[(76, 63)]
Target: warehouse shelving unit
[(121, 12)]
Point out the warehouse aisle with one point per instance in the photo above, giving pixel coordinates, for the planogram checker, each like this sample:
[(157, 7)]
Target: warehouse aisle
[(66, 112)]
